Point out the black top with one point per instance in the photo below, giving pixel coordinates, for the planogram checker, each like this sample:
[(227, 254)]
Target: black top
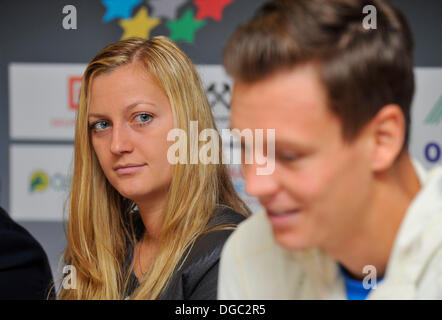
[(24, 266), (197, 279)]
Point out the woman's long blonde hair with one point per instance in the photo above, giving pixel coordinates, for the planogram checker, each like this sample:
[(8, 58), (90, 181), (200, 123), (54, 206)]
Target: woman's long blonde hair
[(100, 231)]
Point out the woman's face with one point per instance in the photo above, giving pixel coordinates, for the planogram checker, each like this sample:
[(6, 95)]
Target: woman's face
[(129, 118)]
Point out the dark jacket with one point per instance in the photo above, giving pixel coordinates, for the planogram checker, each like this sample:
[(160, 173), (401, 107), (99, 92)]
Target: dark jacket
[(197, 279), (24, 266)]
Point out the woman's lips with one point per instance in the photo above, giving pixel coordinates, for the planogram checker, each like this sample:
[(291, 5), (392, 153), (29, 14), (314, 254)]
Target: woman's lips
[(129, 169)]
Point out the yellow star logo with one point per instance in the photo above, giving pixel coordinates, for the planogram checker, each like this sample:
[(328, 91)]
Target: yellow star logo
[(139, 26)]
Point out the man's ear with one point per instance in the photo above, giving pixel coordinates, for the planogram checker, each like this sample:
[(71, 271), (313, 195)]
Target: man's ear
[(388, 133)]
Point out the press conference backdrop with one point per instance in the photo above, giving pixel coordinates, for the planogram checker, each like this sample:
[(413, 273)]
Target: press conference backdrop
[(41, 63)]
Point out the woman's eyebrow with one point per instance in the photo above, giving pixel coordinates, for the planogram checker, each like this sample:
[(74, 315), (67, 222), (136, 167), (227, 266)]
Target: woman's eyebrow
[(126, 109)]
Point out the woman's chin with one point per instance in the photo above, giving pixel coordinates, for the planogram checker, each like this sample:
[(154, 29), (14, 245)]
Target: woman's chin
[(133, 195)]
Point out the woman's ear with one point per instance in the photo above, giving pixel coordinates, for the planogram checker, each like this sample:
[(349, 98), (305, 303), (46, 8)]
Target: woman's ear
[(388, 136)]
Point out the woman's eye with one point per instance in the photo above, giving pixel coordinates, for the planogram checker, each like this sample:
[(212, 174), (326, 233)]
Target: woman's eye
[(100, 125), (143, 117)]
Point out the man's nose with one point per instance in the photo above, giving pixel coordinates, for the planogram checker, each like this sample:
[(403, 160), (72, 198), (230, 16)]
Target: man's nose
[(121, 140), (260, 186)]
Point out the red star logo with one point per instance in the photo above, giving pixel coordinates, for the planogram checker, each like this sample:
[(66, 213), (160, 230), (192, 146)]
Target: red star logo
[(211, 8)]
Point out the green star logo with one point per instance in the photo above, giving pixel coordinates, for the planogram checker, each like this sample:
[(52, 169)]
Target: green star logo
[(435, 115), (185, 27)]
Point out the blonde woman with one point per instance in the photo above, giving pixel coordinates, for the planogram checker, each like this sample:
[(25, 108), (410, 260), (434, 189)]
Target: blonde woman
[(139, 227)]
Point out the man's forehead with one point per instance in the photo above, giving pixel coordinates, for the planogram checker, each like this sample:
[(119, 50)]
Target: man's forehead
[(293, 103), (298, 84)]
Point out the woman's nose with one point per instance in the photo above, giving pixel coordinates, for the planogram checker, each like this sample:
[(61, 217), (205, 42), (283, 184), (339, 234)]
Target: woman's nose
[(121, 141)]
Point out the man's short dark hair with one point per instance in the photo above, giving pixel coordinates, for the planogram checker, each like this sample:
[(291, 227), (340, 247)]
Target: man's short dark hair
[(361, 69)]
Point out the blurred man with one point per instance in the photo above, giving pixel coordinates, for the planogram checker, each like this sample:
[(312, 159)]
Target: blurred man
[(24, 267), (348, 214)]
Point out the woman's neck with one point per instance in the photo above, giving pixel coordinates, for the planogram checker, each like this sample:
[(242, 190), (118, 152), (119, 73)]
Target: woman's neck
[(152, 212)]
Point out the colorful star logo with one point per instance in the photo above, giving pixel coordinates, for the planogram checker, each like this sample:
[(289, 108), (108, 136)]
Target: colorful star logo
[(211, 8), (181, 29), (119, 9), (139, 26), (166, 8), (185, 27)]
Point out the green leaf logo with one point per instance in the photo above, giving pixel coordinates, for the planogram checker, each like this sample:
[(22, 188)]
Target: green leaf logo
[(435, 115), (39, 181)]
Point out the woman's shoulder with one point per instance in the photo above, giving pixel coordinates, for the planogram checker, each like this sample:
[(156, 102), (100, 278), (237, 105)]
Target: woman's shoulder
[(207, 247), (197, 276), (225, 216)]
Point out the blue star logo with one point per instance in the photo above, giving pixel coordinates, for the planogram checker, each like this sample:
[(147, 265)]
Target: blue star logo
[(119, 9)]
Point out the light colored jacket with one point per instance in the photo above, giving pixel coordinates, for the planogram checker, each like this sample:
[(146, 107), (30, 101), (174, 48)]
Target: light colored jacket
[(254, 266)]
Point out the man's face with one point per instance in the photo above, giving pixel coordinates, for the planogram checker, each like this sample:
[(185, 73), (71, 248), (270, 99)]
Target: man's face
[(321, 184)]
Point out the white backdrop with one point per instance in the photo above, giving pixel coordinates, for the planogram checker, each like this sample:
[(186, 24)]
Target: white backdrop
[(43, 99)]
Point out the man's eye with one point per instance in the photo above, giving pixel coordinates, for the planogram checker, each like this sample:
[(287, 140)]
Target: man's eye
[(99, 125), (143, 117), (288, 156)]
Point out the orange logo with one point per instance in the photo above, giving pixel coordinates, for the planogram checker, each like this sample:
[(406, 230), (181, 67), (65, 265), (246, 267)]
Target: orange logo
[(74, 92)]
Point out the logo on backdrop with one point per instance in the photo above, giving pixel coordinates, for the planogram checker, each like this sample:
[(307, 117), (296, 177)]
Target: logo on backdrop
[(183, 18), (74, 86), (217, 95), (434, 117), (433, 152), (40, 181), (74, 92)]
